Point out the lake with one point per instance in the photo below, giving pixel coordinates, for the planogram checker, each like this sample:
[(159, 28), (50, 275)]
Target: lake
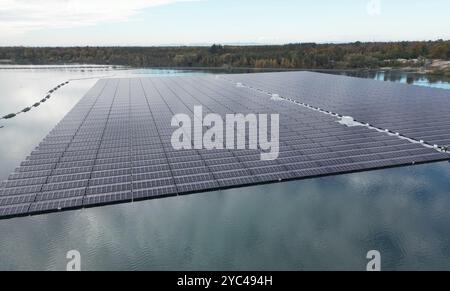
[(318, 224)]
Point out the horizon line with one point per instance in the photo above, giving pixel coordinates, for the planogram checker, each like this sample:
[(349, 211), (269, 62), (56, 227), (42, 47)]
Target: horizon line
[(224, 44)]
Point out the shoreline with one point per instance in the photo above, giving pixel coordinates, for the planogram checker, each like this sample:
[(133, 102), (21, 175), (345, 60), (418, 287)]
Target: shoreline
[(435, 71)]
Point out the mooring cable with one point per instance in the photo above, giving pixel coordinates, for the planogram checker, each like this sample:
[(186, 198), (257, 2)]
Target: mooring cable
[(26, 109), (47, 97)]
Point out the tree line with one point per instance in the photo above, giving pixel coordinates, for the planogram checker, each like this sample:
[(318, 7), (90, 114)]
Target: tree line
[(290, 56)]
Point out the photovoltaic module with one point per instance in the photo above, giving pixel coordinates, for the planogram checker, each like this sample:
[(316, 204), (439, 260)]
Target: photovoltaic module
[(115, 145)]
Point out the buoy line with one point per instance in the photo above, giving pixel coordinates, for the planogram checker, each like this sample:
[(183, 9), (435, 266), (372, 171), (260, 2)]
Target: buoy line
[(26, 109), (47, 97)]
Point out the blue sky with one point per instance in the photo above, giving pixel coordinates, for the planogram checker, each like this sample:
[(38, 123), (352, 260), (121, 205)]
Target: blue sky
[(191, 22)]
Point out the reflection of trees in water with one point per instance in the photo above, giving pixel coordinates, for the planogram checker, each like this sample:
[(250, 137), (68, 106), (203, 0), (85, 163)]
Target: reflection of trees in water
[(438, 79), (395, 76), (392, 76)]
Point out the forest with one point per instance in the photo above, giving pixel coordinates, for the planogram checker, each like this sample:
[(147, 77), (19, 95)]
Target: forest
[(291, 56)]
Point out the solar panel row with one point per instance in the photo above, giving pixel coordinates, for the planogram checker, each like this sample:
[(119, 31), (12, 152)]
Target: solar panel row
[(418, 112), (115, 146)]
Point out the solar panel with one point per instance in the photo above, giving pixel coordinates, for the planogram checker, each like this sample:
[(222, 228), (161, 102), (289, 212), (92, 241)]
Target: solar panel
[(50, 206), (105, 199), (115, 146), (410, 110), (56, 195)]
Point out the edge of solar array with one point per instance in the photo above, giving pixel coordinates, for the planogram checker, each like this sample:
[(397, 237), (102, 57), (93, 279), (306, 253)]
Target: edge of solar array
[(37, 213)]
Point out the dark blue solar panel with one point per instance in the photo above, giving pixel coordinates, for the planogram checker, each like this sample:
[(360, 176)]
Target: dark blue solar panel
[(114, 146)]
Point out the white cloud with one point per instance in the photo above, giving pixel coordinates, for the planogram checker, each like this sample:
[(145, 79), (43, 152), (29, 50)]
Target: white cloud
[(17, 16)]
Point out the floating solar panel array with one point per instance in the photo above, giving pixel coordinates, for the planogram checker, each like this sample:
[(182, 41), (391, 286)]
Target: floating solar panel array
[(115, 146), (417, 112)]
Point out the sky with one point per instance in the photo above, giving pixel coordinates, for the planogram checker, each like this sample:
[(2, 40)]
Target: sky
[(204, 22)]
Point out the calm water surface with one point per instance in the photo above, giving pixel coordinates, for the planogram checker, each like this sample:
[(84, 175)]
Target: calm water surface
[(320, 224)]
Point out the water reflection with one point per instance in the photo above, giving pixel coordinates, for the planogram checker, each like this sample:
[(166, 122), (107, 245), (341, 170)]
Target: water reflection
[(23, 87), (401, 77), (327, 223), (320, 224)]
